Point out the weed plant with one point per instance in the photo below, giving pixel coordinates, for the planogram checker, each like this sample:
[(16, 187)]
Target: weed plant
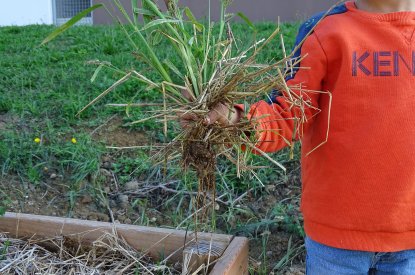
[(211, 69), (42, 88)]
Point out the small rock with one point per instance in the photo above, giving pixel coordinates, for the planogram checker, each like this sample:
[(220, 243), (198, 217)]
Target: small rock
[(217, 206), (53, 176), (121, 218), (296, 271), (113, 204), (131, 185), (106, 159), (256, 264), (105, 172), (270, 188), (128, 221), (122, 201), (106, 165), (86, 199), (93, 217), (103, 217), (153, 219)]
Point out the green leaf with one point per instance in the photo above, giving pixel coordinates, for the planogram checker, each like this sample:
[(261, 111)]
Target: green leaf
[(247, 21), (70, 23), (134, 6), (173, 68), (191, 41), (148, 14), (159, 22), (96, 72), (144, 12), (155, 38), (192, 18)]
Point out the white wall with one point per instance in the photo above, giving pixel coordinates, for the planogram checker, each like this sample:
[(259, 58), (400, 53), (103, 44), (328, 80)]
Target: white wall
[(25, 12)]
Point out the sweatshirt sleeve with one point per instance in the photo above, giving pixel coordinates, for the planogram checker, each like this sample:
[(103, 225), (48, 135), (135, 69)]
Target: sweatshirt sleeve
[(278, 122)]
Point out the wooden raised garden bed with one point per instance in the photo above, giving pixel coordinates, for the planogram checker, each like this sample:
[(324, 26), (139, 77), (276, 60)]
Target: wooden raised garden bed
[(225, 254)]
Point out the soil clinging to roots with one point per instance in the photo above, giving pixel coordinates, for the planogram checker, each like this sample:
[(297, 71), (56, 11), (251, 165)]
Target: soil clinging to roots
[(199, 155)]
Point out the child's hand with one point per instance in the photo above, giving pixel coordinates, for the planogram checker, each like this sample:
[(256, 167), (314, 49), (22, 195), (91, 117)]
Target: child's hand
[(187, 119), (222, 114)]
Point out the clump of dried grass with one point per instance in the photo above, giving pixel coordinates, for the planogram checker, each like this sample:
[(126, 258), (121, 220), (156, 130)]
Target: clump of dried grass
[(236, 79), (213, 70), (107, 255)]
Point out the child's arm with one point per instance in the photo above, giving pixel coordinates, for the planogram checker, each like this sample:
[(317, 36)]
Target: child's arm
[(278, 121)]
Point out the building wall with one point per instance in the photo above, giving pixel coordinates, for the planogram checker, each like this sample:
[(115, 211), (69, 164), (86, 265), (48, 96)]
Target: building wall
[(25, 12), (256, 10)]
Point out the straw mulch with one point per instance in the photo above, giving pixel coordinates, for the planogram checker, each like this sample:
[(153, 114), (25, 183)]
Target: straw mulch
[(108, 255)]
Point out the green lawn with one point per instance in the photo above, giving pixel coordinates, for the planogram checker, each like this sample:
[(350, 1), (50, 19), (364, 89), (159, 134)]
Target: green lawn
[(43, 87)]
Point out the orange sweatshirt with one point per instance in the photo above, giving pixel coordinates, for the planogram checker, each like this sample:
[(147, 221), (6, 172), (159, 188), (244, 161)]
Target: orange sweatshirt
[(359, 187)]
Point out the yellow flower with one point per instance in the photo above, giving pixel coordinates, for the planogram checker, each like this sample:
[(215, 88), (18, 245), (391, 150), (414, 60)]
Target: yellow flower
[(37, 140), (73, 140)]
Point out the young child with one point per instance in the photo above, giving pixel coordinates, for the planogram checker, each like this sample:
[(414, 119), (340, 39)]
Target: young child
[(358, 195)]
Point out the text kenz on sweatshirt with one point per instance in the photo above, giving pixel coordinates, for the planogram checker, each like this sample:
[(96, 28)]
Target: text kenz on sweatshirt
[(383, 63)]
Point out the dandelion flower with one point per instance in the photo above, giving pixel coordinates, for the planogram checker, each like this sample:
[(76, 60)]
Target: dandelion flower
[(37, 140), (73, 140)]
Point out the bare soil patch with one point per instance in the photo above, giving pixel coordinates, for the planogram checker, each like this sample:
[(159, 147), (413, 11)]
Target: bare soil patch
[(114, 133), (6, 121)]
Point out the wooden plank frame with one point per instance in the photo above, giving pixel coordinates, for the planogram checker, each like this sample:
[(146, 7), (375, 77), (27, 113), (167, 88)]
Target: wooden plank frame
[(232, 252)]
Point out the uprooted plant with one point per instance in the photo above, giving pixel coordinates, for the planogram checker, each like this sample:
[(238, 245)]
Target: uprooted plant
[(213, 70)]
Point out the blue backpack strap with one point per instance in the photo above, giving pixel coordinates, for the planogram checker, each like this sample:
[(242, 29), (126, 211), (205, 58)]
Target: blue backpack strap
[(304, 30)]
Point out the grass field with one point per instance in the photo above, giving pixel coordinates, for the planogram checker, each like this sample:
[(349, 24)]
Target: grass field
[(48, 155)]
